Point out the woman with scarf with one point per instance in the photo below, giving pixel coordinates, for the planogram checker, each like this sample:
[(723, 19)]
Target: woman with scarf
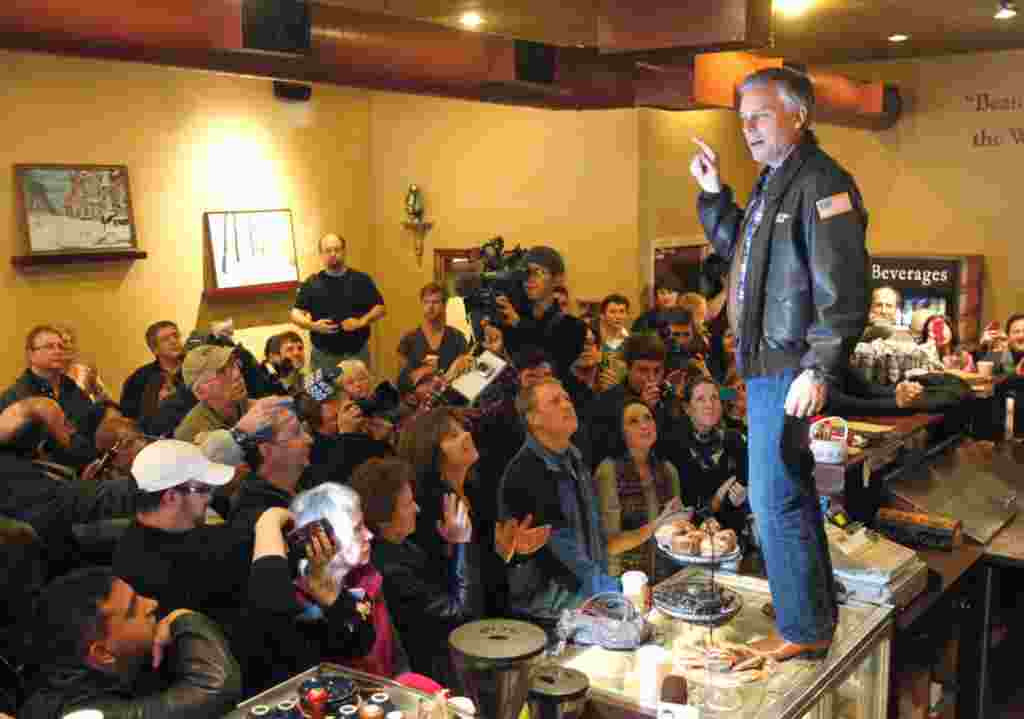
[(332, 609), (713, 466), (636, 489)]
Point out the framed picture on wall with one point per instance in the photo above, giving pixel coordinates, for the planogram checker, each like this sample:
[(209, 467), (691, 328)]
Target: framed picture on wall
[(75, 209), (252, 251)]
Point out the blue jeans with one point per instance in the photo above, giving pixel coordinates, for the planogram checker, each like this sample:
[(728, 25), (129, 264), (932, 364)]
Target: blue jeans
[(788, 513)]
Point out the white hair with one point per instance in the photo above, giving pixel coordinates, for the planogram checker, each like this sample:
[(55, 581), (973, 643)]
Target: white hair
[(351, 366), (337, 503)]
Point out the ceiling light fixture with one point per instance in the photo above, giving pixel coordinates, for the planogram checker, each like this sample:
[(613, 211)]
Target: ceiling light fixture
[(792, 8), (899, 37), (471, 19), (1007, 9)]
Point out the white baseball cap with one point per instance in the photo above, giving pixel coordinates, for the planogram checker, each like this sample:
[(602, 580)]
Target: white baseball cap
[(169, 462)]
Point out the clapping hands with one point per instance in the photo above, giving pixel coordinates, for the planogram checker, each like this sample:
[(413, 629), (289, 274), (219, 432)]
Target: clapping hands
[(514, 537)]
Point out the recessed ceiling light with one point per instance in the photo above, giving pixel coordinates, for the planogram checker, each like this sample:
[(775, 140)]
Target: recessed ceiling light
[(899, 37), (792, 8), (471, 19), (1007, 9)]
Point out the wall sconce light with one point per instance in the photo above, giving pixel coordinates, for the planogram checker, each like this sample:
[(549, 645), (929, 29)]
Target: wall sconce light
[(1007, 9), (414, 220)]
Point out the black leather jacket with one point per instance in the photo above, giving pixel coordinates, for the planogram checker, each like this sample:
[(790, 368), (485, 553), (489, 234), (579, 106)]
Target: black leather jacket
[(204, 682), (807, 283), (428, 598)]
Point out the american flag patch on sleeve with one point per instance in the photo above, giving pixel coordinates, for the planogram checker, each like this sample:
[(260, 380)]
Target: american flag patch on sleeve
[(834, 205)]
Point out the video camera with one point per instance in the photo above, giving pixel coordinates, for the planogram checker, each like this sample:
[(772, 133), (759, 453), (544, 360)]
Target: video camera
[(502, 274)]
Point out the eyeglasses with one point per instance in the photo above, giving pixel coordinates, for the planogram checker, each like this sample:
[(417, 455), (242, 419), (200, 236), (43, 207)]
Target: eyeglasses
[(200, 489), (51, 347)]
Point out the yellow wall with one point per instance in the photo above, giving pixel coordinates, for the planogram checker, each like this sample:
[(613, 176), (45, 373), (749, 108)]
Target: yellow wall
[(928, 189), (193, 142), (564, 179)]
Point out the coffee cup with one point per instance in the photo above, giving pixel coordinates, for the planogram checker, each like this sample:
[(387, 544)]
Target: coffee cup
[(653, 664), (985, 368)]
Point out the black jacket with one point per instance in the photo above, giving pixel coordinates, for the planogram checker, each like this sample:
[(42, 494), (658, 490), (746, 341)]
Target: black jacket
[(428, 598), (171, 411), (279, 643), (807, 283), (200, 679), (255, 496), (135, 386), (558, 334), (83, 414)]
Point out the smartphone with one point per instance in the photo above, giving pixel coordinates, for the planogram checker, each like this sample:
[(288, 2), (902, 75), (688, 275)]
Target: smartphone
[(297, 539)]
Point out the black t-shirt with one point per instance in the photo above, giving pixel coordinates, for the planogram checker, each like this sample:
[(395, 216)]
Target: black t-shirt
[(323, 296), (205, 569), (413, 346)]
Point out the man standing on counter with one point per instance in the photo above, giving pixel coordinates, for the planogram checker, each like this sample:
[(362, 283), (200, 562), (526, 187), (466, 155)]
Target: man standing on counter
[(337, 305), (798, 301)]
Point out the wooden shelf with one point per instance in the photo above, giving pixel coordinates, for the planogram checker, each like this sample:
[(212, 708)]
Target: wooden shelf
[(74, 258), (250, 291)]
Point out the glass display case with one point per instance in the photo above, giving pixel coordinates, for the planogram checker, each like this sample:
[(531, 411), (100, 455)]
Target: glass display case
[(364, 686), (852, 682)]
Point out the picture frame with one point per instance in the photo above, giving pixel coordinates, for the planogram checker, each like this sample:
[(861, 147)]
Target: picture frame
[(251, 251), (75, 210)]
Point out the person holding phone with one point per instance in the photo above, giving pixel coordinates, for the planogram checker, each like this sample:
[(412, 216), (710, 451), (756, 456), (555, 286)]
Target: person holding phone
[(328, 609)]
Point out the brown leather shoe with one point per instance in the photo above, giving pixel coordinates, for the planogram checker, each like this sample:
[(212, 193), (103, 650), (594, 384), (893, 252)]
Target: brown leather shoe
[(780, 650)]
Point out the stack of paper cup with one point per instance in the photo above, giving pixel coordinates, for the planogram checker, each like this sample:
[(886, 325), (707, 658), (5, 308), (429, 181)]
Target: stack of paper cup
[(653, 664)]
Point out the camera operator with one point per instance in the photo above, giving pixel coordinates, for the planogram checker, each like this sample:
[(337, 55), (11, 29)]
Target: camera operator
[(541, 322)]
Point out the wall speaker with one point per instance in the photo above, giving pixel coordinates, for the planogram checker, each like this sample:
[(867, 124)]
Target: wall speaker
[(292, 91), (276, 25), (535, 62)]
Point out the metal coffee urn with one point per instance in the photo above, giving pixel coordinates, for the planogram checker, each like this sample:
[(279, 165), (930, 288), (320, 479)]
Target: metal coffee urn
[(493, 659), (557, 693)]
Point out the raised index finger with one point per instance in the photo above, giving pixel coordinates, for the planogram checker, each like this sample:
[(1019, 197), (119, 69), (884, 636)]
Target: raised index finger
[(708, 152)]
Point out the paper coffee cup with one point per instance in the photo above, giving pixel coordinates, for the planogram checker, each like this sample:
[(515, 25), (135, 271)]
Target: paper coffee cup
[(653, 664), (985, 368), (634, 586)]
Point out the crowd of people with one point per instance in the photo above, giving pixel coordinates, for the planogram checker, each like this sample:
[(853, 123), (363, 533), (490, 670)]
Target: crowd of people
[(228, 522)]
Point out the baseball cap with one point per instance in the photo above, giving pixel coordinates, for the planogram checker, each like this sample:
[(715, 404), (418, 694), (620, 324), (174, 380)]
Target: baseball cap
[(204, 359), (170, 462), (219, 447)]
